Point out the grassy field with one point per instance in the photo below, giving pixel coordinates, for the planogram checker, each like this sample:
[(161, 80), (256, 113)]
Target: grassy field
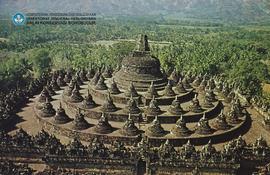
[(266, 88)]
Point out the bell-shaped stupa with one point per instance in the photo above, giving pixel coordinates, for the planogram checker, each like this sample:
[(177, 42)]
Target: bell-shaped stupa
[(141, 68)]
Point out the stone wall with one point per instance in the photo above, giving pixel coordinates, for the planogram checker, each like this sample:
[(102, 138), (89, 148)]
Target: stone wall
[(94, 165), (186, 168)]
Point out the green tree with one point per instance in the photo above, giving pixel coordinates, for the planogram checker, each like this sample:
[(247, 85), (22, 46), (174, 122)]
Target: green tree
[(249, 75), (40, 60)]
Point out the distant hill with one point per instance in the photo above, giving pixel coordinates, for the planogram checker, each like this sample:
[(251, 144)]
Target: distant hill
[(223, 10)]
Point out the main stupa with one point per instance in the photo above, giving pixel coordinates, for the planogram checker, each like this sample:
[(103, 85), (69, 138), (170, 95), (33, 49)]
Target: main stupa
[(141, 69)]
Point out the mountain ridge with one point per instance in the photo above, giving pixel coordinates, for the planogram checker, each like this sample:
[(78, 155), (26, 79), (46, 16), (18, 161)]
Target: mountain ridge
[(224, 10)]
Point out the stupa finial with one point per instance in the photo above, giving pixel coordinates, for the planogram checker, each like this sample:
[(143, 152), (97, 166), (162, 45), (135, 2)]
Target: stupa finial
[(143, 43)]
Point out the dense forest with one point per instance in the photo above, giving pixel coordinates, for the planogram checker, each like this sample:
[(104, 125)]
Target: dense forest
[(239, 53)]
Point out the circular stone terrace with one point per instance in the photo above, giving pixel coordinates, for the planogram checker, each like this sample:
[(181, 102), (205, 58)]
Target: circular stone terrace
[(103, 103)]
